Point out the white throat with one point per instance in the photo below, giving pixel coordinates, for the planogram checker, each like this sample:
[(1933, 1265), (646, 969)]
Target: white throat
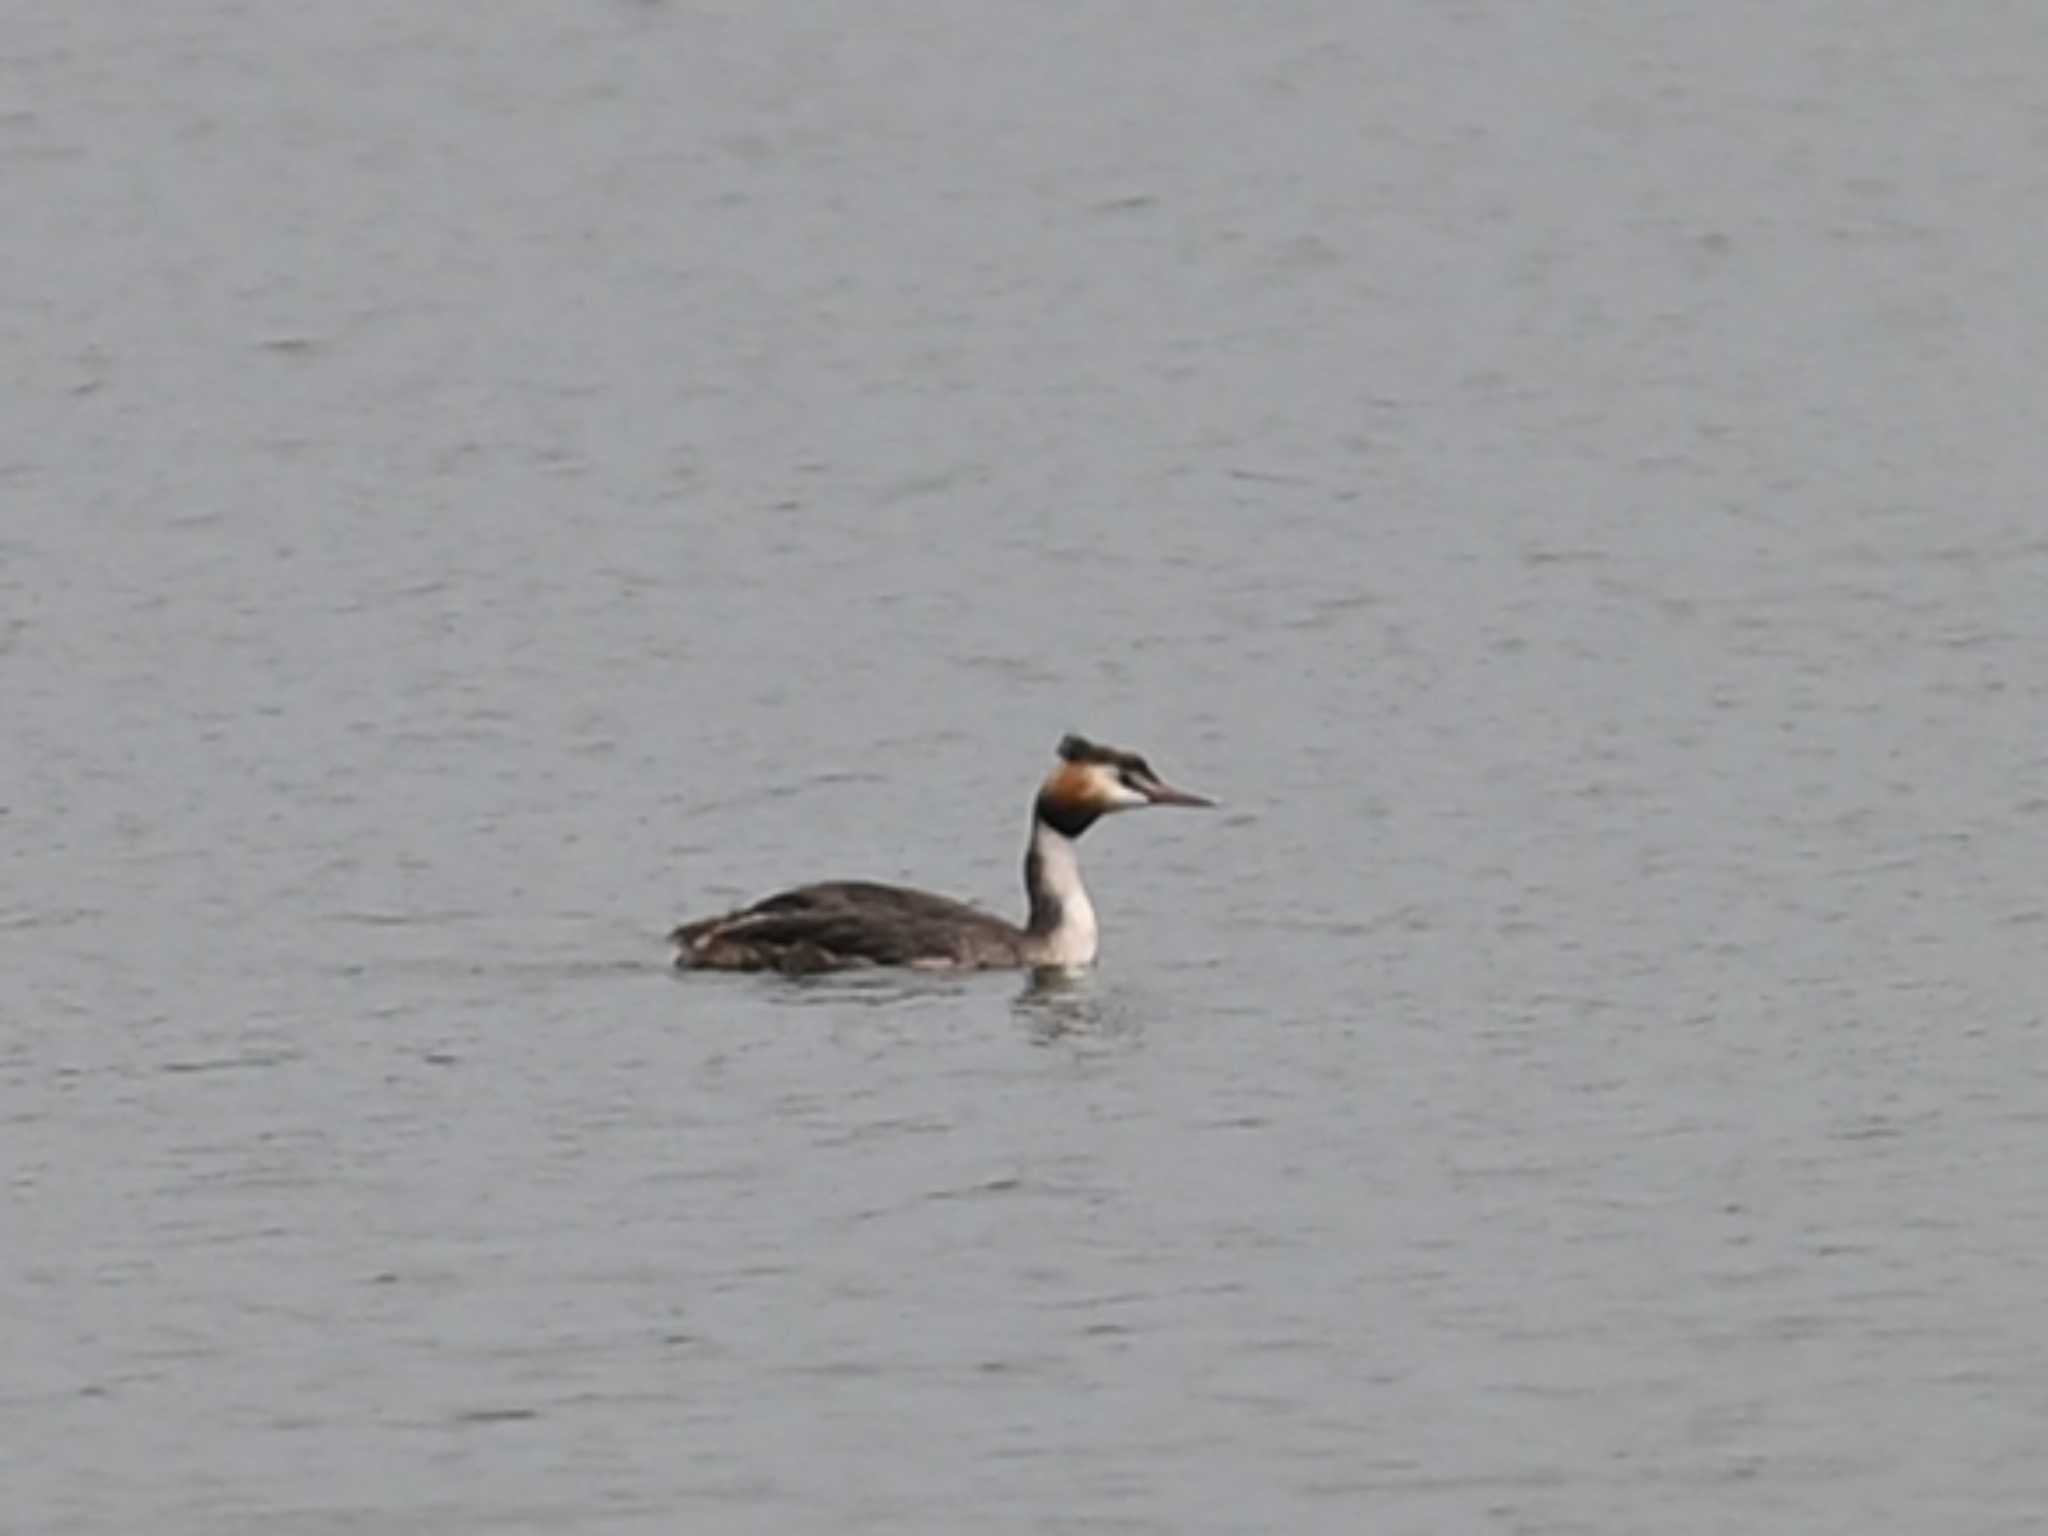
[(1062, 924)]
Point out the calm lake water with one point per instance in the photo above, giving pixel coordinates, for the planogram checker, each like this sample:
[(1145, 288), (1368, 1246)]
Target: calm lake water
[(477, 485)]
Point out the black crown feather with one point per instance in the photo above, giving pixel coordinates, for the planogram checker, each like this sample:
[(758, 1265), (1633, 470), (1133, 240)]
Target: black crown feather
[(1076, 748)]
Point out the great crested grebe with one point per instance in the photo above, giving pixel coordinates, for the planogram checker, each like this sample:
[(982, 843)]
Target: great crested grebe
[(848, 923)]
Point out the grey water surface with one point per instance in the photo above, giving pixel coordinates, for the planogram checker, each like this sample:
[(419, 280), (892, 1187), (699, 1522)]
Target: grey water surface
[(480, 483)]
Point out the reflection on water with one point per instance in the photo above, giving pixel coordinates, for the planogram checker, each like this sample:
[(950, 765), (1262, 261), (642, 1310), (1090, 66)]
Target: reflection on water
[(1055, 1004), (880, 987), (1050, 1003)]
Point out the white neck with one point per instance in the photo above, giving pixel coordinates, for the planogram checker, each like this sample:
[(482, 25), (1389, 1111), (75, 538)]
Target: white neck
[(1061, 930)]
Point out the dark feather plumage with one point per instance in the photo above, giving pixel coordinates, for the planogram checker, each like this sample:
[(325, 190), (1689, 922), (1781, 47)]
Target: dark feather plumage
[(842, 924)]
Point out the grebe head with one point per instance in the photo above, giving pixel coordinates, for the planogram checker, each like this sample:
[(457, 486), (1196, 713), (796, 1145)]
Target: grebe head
[(1093, 780)]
